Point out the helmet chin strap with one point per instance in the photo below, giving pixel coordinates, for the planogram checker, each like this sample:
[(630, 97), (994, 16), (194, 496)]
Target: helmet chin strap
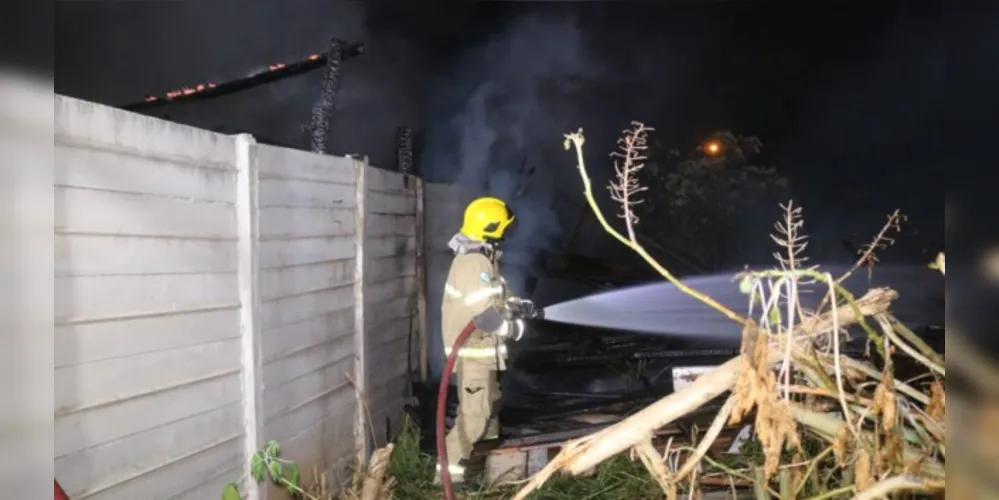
[(461, 244), (492, 250)]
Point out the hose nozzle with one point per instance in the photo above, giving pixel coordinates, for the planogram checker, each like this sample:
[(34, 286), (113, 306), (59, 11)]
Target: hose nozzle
[(538, 313), (524, 309)]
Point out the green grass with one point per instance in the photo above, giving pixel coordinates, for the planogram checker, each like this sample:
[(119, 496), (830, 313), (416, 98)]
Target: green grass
[(616, 479)]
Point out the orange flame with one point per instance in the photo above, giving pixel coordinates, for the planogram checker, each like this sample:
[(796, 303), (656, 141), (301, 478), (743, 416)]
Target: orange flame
[(172, 94)]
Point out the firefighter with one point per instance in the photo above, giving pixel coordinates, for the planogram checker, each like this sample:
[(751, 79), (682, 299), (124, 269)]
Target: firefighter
[(476, 292)]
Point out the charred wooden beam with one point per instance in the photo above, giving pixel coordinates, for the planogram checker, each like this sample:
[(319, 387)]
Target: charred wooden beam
[(274, 72)]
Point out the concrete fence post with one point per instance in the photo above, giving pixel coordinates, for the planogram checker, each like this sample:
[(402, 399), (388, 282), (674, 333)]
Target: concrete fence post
[(248, 241), (421, 278), (361, 423)]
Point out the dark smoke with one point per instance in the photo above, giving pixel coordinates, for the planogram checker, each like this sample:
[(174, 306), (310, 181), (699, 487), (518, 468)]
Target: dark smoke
[(492, 129), (492, 121)]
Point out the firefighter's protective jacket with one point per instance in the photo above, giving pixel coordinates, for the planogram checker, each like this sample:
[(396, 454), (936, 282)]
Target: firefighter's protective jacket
[(475, 292)]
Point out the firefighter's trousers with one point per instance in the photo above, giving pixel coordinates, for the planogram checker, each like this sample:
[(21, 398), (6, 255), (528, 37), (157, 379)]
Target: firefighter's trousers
[(478, 395)]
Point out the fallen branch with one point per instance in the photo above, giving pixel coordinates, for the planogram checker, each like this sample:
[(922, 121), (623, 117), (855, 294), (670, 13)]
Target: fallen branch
[(886, 327), (374, 477), (653, 461), (896, 484), (709, 438), (587, 452)]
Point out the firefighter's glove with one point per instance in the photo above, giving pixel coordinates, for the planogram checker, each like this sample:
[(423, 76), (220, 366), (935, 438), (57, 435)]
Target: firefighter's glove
[(513, 329)]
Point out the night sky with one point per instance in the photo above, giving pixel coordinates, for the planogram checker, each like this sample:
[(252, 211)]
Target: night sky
[(866, 106)]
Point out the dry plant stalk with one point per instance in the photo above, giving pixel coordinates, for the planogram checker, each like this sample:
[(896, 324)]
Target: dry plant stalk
[(628, 161), (881, 241), (626, 172), (870, 454)]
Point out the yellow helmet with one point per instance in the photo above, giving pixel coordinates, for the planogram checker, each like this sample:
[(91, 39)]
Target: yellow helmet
[(486, 219)]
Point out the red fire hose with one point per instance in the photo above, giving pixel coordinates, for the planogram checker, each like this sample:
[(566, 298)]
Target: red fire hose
[(442, 409), (60, 494)]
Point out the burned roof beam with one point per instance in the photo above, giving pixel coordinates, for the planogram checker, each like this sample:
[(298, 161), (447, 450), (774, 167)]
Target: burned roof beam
[(272, 73)]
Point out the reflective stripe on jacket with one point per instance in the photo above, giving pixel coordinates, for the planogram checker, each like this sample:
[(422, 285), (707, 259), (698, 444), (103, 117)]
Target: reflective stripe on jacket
[(473, 288)]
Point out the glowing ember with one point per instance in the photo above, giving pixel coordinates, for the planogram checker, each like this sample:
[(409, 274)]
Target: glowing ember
[(186, 91), (712, 148)]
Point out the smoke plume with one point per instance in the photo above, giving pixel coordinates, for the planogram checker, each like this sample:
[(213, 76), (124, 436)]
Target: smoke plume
[(486, 120)]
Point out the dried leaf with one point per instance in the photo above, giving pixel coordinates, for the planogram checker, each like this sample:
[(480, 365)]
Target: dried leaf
[(890, 453), (862, 474), (938, 402), (840, 444), (889, 413)]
